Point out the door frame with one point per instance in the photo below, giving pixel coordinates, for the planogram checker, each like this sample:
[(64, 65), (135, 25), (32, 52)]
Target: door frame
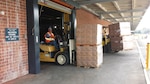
[(33, 36)]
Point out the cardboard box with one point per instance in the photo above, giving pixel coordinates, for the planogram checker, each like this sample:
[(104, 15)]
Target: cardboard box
[(125, 28), (89, 34), (127, 38), (116, 47), (128, 45), (89, 56), (128, 42), (114, 30), (116, 39), (120, 29), (116, 43)]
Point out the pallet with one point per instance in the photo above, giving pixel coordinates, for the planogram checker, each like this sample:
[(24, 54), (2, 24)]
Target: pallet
[(88, 44), (87, 67)]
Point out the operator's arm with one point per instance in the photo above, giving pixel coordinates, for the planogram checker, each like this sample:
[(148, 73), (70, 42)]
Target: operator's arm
[(52, 35), (49, 37)]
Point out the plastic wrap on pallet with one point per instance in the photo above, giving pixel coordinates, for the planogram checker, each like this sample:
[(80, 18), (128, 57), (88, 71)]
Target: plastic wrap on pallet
[(125, 28), (116, 43), (89, 56), (120, 29), (128, 38), (128, 42), (128, 45), (114, 30), (89, 34)]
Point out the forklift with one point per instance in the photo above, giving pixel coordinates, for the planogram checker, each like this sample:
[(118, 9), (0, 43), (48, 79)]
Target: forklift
[(106, 40), (49, 53), (61, 26)]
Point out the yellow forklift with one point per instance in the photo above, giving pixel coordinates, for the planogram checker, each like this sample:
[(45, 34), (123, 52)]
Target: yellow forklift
[(61, 26), (50, 54), (106, 40), (61, 56)]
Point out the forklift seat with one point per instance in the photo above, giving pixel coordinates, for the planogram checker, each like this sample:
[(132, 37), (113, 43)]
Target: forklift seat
[(47, 48)]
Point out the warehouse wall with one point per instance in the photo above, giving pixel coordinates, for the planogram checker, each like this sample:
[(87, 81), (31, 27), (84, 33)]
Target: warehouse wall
[(13, 54), (84, 17)]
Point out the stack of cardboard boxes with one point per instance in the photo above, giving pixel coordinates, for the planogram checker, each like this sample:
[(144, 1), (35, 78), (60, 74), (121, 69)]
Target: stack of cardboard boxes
[(128, 42), (89, 45), (116, 43), (118, 33)]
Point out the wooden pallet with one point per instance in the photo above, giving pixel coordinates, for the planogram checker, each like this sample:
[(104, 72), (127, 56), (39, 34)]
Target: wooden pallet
[(87, 67), (88, 44)]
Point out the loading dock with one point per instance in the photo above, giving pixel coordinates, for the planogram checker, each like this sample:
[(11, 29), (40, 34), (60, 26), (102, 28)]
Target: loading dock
[(127, 71), (14, 61)]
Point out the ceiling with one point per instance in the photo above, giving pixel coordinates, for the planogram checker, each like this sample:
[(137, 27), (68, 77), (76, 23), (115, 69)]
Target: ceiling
[(115, 10)]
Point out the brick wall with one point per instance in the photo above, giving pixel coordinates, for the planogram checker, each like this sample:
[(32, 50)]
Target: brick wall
[(14, 54), (84, 17)]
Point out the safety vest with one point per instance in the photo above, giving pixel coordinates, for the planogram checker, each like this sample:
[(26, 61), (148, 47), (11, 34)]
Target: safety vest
[(50, 38)]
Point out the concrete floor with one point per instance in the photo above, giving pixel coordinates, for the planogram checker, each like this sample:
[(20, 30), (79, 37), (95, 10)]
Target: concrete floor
[(118, 68)]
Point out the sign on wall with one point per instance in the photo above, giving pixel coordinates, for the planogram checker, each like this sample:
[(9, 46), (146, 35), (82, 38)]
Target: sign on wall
[(11, 34)]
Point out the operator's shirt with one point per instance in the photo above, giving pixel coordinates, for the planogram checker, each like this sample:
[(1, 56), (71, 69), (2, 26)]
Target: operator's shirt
[(51, 35)]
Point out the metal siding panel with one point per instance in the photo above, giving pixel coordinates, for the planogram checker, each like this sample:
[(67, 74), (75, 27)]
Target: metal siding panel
[(55, 6)]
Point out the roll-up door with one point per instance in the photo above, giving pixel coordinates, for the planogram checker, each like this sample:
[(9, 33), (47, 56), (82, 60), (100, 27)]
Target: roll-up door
[(54, 6)]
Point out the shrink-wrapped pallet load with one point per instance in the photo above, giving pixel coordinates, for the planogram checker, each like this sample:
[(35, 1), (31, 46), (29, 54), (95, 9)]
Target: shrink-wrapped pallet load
[(116, 43), (120, 29), (89, 56), (89, 45), (89, 34), (120, 35), (128, 42)]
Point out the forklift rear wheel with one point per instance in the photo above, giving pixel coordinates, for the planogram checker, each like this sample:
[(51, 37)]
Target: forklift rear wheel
[(61, 58)]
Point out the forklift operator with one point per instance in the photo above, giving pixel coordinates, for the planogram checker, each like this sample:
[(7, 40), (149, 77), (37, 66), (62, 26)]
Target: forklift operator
[(50, 38)]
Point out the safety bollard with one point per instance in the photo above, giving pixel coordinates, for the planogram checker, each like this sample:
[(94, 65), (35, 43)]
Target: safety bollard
[(148, 56)]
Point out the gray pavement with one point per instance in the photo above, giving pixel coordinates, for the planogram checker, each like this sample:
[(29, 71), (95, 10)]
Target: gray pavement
[(123, 67)]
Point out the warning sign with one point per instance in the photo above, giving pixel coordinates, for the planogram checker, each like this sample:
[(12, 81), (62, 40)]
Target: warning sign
[(11, 34)]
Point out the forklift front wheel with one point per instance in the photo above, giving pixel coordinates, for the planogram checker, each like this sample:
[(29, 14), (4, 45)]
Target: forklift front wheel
[(61, 58)]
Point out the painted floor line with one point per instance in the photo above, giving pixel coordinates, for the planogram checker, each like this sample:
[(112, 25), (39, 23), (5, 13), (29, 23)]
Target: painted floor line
[(143, 64), (146, 76), (141, 56)]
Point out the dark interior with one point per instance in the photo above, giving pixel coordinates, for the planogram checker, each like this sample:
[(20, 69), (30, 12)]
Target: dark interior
[(50, 17)]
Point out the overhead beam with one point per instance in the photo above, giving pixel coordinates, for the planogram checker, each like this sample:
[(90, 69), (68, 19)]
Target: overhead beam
[(104, 9), (132, 6), (73, 3), (86, 2), (125, 17), (90, 10), (118, 8), (124, 11), (134, 22)]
